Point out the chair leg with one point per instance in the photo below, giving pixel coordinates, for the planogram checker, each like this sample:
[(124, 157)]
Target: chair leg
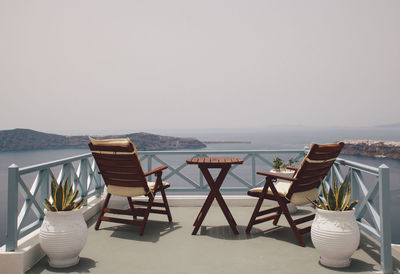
[(102, 211), (132, 207), (277, 217), (164, 197), (255, 214), (292, 224), (146, 213)]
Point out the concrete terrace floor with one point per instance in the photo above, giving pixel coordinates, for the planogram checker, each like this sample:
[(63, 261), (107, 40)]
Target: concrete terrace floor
[(170, 248)]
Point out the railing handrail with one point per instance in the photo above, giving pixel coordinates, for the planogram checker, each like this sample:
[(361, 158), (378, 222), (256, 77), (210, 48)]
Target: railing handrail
[(358, 166), (33, 168), (220, 151)]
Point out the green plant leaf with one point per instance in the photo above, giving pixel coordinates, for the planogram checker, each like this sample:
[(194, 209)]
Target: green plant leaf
[(78, 204), (343, 189), (352, 205), (70, 196), (58, 198), (332, 203), (48, 205), (322, 204), (54, 187), (335, 188), (324, 193), (64, 188)]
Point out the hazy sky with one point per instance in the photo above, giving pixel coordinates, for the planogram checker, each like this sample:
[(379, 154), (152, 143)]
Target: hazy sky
[(140, 65)]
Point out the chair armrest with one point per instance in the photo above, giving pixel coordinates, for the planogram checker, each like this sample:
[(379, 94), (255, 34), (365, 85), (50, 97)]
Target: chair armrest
[(274, 175), (292, 168), (156, 170)]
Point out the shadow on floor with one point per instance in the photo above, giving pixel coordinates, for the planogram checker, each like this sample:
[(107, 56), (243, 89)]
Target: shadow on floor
[(85, 265), (356, 266), (152, 233)]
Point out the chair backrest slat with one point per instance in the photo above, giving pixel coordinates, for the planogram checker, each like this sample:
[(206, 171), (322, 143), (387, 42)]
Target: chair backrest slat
[(119, 164), (315, 167)]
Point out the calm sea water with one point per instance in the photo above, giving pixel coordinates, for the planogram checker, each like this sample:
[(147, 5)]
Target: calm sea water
[(276, 138)]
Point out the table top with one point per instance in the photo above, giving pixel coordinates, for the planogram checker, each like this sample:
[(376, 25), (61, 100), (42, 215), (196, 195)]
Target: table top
[(214, 160)]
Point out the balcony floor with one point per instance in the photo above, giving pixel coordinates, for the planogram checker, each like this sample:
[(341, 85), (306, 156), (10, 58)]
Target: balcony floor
[(170, 248)]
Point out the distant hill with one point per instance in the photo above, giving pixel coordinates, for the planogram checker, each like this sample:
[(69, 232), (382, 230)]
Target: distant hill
[(27, 139), (372, 148)]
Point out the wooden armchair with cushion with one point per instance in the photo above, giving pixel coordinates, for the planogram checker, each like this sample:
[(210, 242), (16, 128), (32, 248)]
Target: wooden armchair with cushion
[(302, 189), (123, 175)]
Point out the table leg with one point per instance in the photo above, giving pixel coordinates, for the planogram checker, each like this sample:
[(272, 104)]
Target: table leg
[(214, 193), (203, 212), (215, 189)]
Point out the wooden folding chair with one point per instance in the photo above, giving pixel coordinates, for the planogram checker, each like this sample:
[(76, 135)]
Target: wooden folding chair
[(302, 189), (123, 175)]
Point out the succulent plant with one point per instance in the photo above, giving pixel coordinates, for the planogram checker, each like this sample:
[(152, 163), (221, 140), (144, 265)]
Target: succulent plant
[(63, 198), (337, 198), (278, 163)]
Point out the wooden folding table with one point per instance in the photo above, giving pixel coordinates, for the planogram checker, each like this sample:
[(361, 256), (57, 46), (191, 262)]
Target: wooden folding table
[(205, 164)]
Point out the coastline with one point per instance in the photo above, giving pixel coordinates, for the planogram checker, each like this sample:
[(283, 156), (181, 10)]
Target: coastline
[(372, 148)]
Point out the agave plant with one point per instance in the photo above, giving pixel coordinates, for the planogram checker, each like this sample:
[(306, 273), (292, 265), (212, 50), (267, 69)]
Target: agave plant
[(337, 198), (63, 198)]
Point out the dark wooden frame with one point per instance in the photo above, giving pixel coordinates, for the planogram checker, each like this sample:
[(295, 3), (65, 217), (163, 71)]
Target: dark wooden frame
[(127, 168), (308, 176), (205, 164)]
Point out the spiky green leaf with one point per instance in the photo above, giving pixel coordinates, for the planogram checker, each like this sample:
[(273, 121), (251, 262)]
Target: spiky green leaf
[(322, 204), (58, 198), (48, 205), (65, 194), (343, 189), (332, 205), (352, 205), (335, 188), (324, 193), (63, 197), (72, 198), (54, 187), (78, 204)]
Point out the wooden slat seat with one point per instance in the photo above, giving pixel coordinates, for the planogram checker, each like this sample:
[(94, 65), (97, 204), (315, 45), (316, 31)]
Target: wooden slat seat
[(123, 175), (299, 190)]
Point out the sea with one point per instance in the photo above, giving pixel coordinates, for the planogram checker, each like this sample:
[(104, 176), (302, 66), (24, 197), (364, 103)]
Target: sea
[(283, 137)]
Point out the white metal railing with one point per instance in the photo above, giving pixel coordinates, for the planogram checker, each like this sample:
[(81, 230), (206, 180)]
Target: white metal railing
[(370, 193), (83, 171), (84, 176)]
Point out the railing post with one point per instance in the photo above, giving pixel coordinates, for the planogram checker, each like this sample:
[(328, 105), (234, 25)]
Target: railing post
[(83, 178), (149, 165), (44, 186), (385, 229), (355, 191), (97, 177), (12, 208), (253, 169)]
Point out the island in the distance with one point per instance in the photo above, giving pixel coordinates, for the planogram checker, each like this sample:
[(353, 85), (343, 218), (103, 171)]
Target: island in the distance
[(27, 139), (372, 148)]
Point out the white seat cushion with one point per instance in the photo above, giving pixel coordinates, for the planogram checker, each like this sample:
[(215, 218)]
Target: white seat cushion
[(298, 198), (131, 191)]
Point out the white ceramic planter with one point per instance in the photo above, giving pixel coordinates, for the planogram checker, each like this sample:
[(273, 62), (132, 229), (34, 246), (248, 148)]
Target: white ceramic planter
[(62, 237), (335, 234), (288, 173)]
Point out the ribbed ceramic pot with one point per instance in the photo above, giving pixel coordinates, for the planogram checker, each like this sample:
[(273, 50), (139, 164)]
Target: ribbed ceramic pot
[(62, 236), (335, 234)]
